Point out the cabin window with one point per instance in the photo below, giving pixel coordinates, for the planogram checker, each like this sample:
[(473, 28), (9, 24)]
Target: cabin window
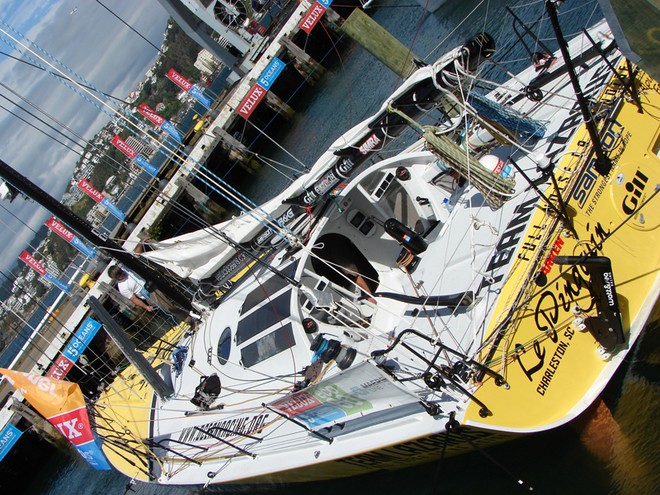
[(268, 346), (224, 346), (271, 312)]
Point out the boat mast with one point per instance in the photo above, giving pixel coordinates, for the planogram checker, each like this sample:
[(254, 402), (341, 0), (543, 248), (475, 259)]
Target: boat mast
[(603, 164), (85, 229)]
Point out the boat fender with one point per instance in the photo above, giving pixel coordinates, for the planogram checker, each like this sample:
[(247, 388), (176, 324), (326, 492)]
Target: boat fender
[(405, 236), (479, 138), (498, 166)]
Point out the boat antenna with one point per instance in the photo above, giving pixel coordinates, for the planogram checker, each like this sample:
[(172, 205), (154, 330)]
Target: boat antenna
[(603, 164), (84, 228)]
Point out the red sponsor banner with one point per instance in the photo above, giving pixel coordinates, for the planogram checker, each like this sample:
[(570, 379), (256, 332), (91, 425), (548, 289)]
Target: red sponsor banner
[(63, 405), (179, 80), (312, 17), (89, 189), (74, 425), (124, 148), (251, 101), (296, 403), (151, 114), (59, 228), (32, 262), (60, 368)]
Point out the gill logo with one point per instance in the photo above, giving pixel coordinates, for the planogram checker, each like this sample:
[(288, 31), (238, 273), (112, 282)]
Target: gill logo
[(635, 187)]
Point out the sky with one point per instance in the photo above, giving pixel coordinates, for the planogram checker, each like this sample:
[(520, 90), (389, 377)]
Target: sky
[(85, 37)]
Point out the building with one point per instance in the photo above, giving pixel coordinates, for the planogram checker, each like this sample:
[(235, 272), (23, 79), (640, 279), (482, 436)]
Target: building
[(206, 62), (142, 148)]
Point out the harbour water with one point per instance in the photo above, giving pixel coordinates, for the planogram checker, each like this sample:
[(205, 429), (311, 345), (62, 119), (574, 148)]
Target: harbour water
[(618, 456)]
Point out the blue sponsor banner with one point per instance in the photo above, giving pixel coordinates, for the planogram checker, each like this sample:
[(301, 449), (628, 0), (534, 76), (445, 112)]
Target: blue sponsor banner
[(92, 453), (270, 73), (8, 437), (325, 3), (81, 340), (199, 96), (58, 283), (142, 162), (83, 248), (109, 205), (171, 130)]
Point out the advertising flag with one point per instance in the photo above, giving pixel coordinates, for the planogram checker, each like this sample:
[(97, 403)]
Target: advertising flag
[(261, 87), (122, 146), (63, 405), (192, 89), (32, 262), (8, 437), (166, 125), (60, 229), (74, 349), (314, 15), (93, 193)]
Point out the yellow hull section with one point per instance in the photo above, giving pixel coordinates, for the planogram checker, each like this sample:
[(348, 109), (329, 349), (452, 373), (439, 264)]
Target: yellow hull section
[(552, 369)]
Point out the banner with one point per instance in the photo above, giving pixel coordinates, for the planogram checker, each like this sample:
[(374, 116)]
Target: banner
[(355, 391), (8, 437), (261, 87), (191, 88), (314, 15), (59, 228), (166, 125), (74, 349), (32, 262), (89, 189), (122, 146), (63, 405)]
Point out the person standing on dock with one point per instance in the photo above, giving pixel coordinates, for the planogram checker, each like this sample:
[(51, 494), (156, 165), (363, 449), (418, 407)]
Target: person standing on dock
[(132, 287)]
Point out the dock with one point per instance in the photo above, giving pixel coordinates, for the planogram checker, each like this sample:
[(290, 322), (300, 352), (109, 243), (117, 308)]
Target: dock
[(177, 175)]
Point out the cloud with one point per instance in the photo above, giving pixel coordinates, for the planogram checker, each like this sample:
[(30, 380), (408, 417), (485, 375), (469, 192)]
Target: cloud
[(94, 44)]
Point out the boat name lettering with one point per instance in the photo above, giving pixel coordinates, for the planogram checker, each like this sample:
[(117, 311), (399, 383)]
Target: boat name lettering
[(549, 263), (553, 364), (635, 187), (551, 303), (368, 146), (224, 428), (508, 241)]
